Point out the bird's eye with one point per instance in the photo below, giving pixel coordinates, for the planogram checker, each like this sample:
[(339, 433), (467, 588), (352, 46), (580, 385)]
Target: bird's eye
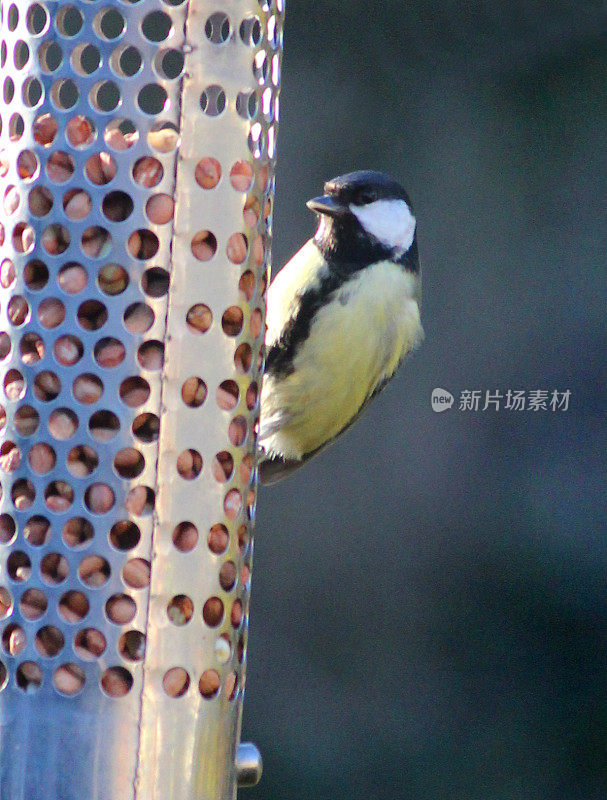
[(366, 197)]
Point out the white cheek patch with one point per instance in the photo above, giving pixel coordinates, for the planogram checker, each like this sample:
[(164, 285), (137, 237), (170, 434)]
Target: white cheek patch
[(389, 221)]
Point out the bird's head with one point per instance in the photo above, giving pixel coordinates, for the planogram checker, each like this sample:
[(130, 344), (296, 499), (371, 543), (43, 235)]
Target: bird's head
[(366, 216)]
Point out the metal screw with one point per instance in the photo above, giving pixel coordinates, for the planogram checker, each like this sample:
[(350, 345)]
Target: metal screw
[(249, 765)]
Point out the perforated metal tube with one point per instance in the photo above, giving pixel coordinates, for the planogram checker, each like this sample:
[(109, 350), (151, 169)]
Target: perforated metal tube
[(136, 176)]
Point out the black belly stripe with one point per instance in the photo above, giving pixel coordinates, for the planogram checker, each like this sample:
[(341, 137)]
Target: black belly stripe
[(346, 252), (279, 358)]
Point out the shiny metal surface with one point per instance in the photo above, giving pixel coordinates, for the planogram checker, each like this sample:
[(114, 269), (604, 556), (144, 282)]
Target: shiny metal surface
[(249, 765), (136, 176)]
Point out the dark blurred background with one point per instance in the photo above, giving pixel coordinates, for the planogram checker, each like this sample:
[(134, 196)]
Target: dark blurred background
[(429, 615)]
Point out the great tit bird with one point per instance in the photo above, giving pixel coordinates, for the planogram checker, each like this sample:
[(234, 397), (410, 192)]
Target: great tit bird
[(341, 316)]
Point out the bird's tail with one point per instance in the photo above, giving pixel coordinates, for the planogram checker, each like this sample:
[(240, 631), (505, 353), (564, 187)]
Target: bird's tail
[(275, 468)]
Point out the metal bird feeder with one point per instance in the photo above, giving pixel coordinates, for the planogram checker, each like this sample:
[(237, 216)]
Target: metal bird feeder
[(137, 152)]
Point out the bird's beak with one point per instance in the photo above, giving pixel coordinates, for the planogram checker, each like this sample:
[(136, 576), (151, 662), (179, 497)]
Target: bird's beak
[(326, 205)]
